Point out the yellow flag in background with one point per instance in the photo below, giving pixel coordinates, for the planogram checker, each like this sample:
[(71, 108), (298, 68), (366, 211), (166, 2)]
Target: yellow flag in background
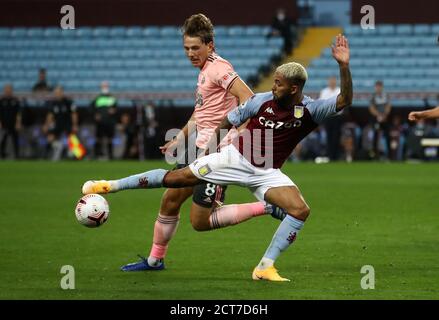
[(76, 147)]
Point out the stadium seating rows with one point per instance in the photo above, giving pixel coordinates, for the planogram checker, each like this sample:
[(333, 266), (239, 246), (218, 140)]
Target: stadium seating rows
[(151, 59), (405, 57), (147, 59)]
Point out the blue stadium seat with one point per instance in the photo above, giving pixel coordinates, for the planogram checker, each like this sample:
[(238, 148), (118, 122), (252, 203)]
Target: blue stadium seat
[(415, 73), (369, 33), (169, 31), (254, 31), (90, 85), (119, 74), (352, 30), (397, 73), (318, 82), (407, 62), (421, 29), (386, 29), (73, 85), (145, 53), (426, 84), (117, 32), (408, 102), (234, 31), (428, 40), (404, 29), (327, 52), (22, 85), (84, 32), (355, 63), (35, 32), (359, 73), (427, 63), (102, 74), (395, 41), (18, 33), (135, 43), (390, 62), (132, 64), (220, 31), (275, 42), (137, 74), (433, 52), (4, 33), (399, 52), (52, 32), (151, 32), (379, 73), (371, 62), (432, 72), (68, 34), (5, 44), (123, 85), (134, 32), (101, 32), (128, 54), (407, 83)]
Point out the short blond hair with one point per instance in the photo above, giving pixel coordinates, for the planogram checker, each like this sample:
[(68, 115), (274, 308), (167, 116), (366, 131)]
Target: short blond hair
[(294, 72)]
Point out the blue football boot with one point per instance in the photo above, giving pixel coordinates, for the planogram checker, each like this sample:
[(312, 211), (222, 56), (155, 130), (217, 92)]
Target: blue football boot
[(142, 266)]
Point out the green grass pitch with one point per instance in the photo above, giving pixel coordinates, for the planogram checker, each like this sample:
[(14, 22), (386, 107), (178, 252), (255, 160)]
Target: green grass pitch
[(384, 215)]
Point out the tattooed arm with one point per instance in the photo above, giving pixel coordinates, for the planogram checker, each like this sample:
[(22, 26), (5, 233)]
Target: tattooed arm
[(340, 52)]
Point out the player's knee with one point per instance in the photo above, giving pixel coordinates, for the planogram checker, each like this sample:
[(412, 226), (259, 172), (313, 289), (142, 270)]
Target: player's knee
[(302, 212), (200, 224), (171, 204), (180, 178), (197, 226)]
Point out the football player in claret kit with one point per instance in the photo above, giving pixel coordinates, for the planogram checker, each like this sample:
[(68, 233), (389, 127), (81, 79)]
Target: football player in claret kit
[(278, 121)]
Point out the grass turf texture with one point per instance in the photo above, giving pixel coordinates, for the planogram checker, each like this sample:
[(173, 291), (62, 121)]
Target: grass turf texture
[(384, 215)]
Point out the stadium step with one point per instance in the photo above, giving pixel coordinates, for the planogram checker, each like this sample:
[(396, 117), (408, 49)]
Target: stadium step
[(313, 42)]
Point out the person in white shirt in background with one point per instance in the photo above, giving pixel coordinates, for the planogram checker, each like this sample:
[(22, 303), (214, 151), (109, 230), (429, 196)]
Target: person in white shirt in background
[(333, 124), (331, 90)]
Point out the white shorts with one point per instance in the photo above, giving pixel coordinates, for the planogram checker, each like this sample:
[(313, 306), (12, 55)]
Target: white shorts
[(230, 167)]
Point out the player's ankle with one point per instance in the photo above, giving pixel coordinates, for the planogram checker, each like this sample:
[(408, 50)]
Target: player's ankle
[(154, 262), (265, 263), (114, 185)]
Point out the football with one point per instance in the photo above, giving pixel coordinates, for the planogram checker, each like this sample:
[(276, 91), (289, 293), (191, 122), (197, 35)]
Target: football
[(92, 210)]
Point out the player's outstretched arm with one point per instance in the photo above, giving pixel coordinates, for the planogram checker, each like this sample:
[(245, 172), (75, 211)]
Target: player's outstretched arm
[(340, 52), (428, 114)]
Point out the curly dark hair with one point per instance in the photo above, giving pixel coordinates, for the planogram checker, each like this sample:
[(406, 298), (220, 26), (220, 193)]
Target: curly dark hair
[(198, 25)]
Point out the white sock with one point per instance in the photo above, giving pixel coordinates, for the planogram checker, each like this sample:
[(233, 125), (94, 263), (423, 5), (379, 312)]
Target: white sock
[(114, 185), (154, 262), (265, 263)]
